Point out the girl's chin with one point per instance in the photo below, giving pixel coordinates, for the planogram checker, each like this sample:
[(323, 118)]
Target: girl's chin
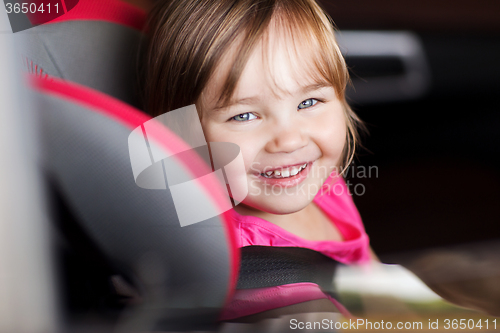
[(271, 206)]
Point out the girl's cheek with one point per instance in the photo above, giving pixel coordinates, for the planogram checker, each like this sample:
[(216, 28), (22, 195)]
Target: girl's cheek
[(334, 130), (251, 165), (212, 134)]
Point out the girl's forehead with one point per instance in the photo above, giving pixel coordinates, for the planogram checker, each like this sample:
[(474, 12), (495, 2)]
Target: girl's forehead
[(286, 56), (280, 67), (282, 61)]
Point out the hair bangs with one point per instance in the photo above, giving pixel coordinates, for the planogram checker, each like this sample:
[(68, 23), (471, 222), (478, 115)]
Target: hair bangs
[(304, 32)]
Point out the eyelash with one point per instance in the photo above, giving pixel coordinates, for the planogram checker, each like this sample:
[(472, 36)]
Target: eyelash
[(298, 108)]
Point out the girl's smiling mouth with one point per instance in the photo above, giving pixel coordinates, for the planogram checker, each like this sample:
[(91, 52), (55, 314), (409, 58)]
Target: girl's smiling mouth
[(284, 172), (286, 176)]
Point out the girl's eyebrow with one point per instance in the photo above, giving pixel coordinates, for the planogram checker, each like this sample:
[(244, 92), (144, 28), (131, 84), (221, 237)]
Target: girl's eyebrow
[(244, 101), (253, 99), (315, 86)]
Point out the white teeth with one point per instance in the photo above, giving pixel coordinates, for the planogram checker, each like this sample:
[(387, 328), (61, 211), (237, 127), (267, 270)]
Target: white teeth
[(285, 173)]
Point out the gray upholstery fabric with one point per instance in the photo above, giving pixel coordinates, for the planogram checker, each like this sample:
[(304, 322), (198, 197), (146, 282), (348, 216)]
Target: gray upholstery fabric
[(99, 55), (183, 271)]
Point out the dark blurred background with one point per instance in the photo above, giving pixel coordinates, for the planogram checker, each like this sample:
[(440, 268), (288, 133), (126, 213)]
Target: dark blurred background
[(437, 154)]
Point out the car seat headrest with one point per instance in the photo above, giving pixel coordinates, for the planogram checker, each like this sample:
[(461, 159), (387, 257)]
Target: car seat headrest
[(95, 44)]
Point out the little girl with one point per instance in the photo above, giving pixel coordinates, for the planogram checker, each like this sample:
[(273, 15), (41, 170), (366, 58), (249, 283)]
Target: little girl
[(268, 76)]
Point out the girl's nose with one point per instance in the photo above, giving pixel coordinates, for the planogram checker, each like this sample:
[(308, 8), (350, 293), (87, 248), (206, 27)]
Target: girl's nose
[(286, 137)]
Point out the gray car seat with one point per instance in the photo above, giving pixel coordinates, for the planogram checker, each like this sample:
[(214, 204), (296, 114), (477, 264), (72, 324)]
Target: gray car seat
[(110, 231), (95, 44)]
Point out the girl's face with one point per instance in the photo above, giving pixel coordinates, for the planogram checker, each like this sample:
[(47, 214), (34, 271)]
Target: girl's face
[(291, 128)]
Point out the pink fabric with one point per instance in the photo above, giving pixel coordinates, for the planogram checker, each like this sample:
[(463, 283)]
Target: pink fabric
[(114, 11), (339, 207)]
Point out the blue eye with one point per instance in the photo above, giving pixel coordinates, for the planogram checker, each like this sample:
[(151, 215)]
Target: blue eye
[(307, 103), (244, 117)]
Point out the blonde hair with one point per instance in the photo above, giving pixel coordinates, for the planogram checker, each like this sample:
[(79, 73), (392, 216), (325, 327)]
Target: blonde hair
[(188, 38)]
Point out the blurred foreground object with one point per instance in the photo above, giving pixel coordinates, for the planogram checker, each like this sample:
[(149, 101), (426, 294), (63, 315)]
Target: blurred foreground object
[(27, 289), (124, 263), (468, 276), (395, 294)]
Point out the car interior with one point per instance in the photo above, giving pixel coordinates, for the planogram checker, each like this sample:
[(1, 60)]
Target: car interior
[(84, 248)]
